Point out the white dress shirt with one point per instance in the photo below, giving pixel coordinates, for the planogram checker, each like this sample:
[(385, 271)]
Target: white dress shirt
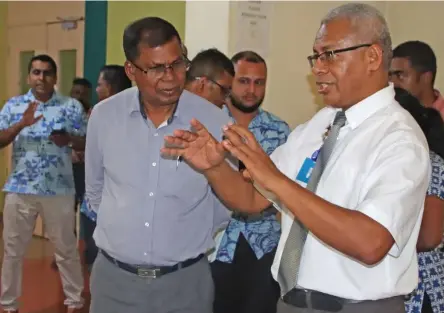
[(380, 166)]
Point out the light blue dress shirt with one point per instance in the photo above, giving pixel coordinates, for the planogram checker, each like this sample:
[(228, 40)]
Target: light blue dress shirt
[(150, 209), (40, 167), (263, 235)]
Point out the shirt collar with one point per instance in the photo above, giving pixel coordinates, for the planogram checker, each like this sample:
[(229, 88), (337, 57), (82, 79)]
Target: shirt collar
[(362, 110), (258, 115), (136, 105), (29, 96)]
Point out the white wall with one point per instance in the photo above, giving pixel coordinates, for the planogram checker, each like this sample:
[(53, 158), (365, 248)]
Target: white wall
[(207, 25), (290, 94)]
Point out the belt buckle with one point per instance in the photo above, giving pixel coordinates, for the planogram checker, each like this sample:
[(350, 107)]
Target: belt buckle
[(148, 273)]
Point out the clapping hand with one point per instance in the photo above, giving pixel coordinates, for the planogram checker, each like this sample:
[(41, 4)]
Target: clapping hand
[(28, 118)]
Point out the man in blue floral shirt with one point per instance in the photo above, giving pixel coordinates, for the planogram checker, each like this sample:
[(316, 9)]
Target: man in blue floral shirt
[(242, 269), (43, 127)]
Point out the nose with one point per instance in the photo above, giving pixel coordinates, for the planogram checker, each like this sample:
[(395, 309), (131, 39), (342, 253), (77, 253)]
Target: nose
[(168, 74), (319, 68), (252, 87)]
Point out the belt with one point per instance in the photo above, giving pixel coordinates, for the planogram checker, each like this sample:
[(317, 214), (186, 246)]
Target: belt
[(316, 300), (151, 271), (271, 210)]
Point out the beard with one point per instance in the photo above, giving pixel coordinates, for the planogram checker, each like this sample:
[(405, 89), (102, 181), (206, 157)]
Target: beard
[(243, 108)]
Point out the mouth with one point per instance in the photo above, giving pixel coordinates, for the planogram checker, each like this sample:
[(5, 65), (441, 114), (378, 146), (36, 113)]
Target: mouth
[(170, 91), (323, 87), (250, 99)]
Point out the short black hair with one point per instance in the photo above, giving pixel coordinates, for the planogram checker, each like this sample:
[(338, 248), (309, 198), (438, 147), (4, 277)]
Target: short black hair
[(82, 82), (150, 31), (428, 119), (210, 63), (421, 56), (116, 77), (249, 56), (43, 58)]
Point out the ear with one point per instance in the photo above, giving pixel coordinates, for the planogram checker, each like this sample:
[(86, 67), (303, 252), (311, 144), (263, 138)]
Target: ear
[(201, 84), (427, 78), (374, 57), (129, 70)]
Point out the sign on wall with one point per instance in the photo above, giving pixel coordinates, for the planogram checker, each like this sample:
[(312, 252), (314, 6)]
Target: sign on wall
[(253, 26)]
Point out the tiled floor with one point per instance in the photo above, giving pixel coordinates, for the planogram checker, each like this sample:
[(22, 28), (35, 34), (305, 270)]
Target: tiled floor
[(42, 291)]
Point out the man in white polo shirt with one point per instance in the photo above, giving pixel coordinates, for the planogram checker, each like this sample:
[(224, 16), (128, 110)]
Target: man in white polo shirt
[(349, 229)]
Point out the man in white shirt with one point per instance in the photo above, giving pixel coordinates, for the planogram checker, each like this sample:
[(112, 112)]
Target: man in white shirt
[(363, 219)]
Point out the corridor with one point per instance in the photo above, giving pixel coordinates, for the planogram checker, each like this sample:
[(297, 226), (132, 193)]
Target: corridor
[(42, 291)]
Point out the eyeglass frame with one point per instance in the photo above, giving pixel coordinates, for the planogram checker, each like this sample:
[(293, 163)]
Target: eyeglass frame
[(165, 67), (331, 53), (225, 91)]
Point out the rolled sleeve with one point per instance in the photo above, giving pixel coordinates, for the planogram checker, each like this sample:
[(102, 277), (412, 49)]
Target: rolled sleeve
[(395, 191), (78, 118), (5, 116), (94, 171)]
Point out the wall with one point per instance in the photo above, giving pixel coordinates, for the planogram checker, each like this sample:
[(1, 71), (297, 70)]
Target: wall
[(291, 93), (121, 13), (3, 92), (96, 19)]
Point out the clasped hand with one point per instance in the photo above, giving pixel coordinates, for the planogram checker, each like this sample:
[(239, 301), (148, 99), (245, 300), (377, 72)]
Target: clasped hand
[(202, 151)]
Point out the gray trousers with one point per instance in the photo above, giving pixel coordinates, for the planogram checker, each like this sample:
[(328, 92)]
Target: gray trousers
[(391, 305), (188, 290)]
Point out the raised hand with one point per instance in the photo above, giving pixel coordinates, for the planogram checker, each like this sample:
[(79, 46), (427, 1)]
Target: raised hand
[(28, 118), (199, 148), (259, 167)]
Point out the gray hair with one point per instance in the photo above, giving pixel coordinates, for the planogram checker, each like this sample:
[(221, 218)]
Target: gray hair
[(369, 24)]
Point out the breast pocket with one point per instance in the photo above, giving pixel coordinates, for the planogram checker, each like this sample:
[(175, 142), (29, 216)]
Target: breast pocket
[(182, 185)]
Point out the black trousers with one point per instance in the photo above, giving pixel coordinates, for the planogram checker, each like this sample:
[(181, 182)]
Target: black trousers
[(246, 285), (91, 249)]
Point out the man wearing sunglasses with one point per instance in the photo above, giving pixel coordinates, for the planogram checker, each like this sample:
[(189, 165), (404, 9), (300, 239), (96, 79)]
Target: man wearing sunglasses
[(155, 214), (241, 270), (210, 76)]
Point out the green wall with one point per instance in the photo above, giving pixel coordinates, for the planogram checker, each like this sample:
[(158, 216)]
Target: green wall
[(96, 15), (121, 13)]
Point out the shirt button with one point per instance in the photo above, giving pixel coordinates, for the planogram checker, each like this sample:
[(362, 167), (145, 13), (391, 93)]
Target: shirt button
[(147, 224), (154, 164), (145, 254), (151, 194), (156, 134)]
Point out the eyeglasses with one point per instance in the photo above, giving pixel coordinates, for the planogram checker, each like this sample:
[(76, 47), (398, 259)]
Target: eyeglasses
[(180, 65), (226, 91), (327, 57)]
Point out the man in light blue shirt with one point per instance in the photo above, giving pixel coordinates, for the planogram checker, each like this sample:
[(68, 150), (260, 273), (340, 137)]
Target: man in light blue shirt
[(155, 215), (43, 127)]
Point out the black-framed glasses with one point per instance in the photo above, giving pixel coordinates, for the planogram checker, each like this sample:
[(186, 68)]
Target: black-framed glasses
[(328, 57), (180, 65), (226, 91)]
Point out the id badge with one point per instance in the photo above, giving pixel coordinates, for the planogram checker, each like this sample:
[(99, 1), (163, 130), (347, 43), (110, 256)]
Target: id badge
[(306, 170)]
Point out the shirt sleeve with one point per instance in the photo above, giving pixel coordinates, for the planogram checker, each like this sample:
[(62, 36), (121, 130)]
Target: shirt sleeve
[(436, 186), (5, 116), (78, 118), (394, 191), (94, 169)]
